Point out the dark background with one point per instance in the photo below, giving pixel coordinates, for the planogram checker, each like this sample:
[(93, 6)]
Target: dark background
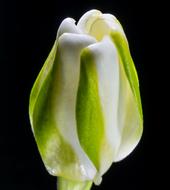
[(28, 32)]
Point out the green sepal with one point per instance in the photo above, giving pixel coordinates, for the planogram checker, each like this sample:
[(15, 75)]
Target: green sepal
[(56, 153), (90, 121), (129, 67), (40, 80)]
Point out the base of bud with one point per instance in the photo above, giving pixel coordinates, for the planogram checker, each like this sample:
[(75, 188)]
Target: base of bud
[(65, 184)]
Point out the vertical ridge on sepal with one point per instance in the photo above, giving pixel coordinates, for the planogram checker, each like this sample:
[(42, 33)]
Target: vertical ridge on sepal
[(90, 121), (131, 73), (130, 115)]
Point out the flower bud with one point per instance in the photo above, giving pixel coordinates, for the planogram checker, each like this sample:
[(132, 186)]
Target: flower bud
[(85, 108)]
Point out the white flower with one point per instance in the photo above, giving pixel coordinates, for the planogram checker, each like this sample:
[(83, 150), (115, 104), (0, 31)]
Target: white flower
[(85, 108)]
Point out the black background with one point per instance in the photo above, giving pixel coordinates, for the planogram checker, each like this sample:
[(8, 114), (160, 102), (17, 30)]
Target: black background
[(28, 32)]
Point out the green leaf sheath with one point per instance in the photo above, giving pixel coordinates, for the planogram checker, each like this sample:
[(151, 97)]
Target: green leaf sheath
[(64, 184), (125, 57), (90, 121)]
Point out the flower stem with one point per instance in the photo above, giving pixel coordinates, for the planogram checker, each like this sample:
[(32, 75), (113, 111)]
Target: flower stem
[(65, 184)]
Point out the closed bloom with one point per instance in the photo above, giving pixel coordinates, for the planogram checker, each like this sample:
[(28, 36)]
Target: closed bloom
[(85, 108)]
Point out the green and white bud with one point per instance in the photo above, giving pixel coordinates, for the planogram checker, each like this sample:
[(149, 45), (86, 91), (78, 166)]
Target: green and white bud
[(85, 108)]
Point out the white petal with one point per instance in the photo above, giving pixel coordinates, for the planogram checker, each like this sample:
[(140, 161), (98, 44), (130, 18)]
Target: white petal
[(99, 25), (68, 26), (69, 49), (87, 20), (107, 66)]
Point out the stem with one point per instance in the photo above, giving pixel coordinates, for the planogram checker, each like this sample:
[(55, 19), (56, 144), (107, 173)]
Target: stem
[(65, 184)]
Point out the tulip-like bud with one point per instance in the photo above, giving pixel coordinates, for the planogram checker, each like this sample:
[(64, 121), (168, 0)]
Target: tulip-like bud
[(85, 108)]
